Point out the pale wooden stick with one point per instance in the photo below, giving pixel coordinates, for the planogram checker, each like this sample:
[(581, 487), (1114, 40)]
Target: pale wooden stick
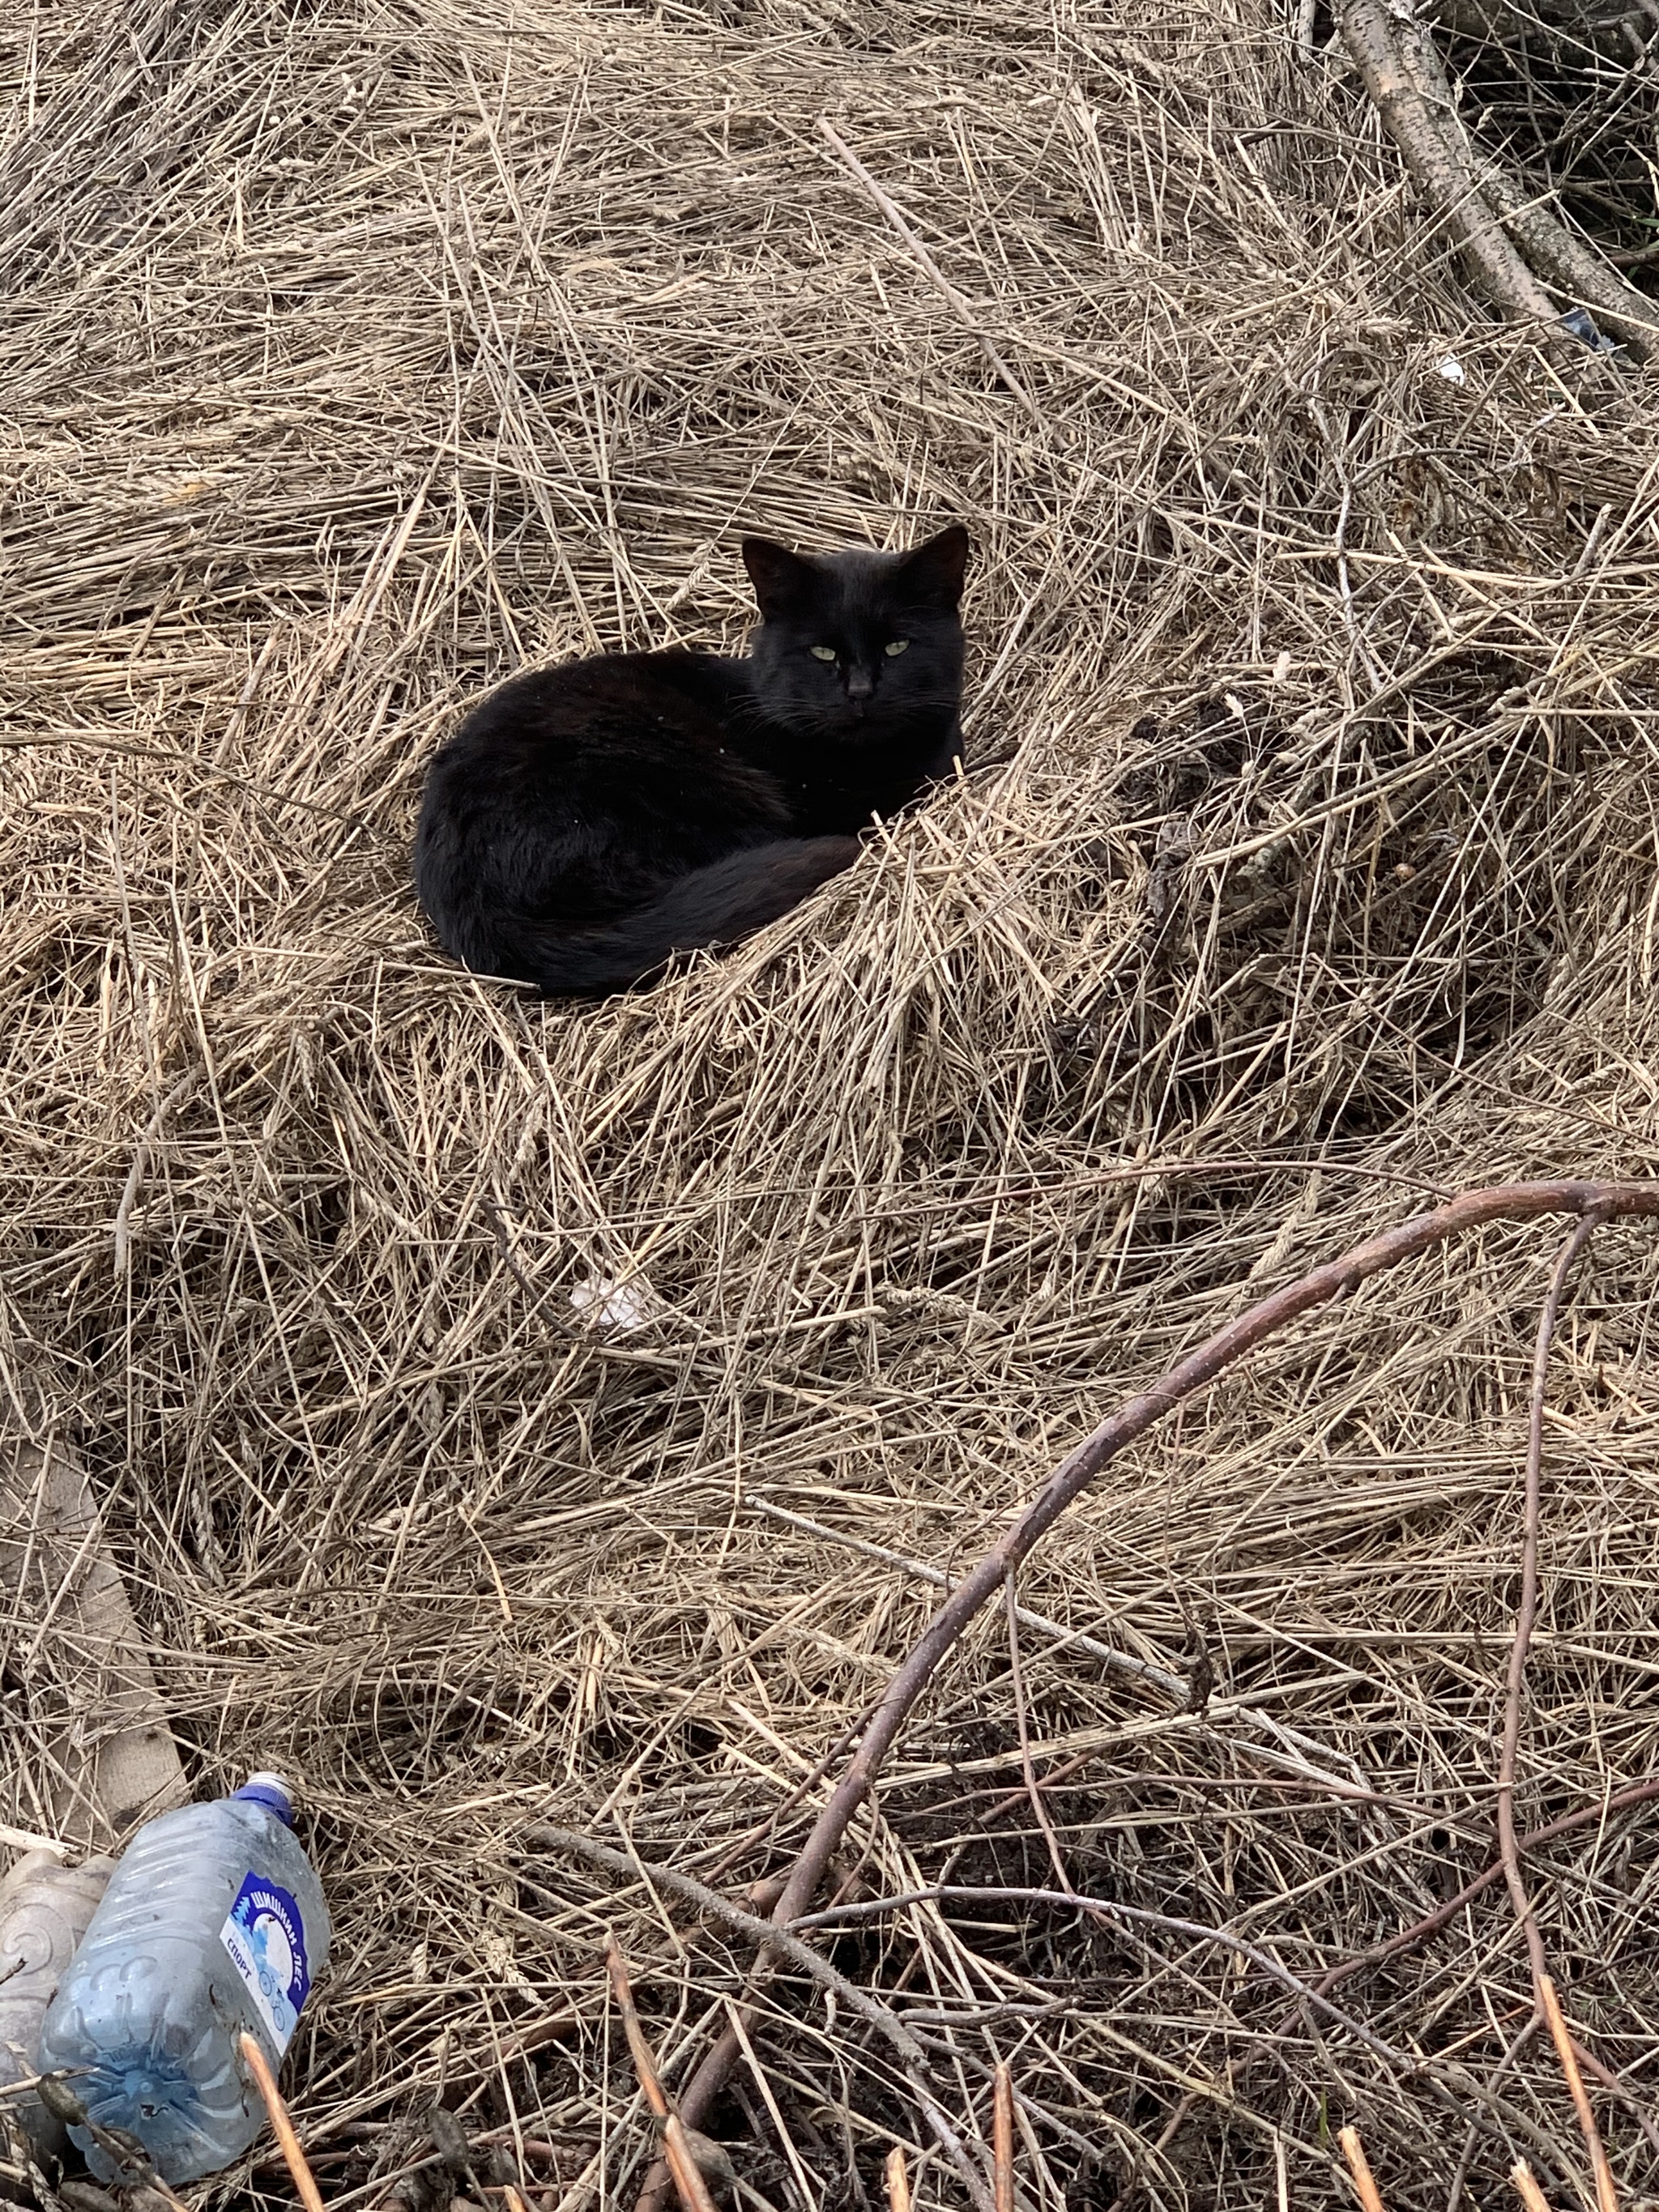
[(1002, 2136), (898, 2181), (1607, 2195), (676, 2152), (1364, 2187), (1527, 2189), (304, 2180)]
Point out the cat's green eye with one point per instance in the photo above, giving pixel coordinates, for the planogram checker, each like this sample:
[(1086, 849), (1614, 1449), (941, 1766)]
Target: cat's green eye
[(821, 651), (897, 647)]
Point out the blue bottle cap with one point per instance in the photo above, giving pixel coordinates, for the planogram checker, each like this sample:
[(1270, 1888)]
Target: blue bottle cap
[(269, 1791)]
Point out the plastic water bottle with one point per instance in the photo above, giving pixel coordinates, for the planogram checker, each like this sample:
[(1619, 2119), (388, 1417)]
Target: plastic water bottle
[(44, 1908), (213, 1924)]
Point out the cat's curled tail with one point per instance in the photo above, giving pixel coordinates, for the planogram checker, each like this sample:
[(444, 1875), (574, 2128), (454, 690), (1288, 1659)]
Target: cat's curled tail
[(714, 905)]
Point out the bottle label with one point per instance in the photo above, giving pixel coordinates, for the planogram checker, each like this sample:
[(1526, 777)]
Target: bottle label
[(265, 1937)]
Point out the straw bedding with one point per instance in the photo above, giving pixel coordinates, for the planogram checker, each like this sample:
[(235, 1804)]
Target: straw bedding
[(461, 1371)]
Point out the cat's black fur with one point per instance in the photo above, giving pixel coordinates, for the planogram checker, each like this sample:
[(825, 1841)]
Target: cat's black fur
[(588, 821)]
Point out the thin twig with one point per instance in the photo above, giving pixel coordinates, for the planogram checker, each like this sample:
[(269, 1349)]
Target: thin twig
[(1607, 2195), (1002, 2136), (258, 2065), (1167, 2135), (169, 2195), (688, 2181)]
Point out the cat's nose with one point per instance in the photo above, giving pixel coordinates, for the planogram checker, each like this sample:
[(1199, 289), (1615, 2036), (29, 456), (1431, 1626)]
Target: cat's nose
[(860, 684)]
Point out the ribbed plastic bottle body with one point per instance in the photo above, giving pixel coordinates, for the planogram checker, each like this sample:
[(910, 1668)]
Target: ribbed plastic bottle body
[(44, 1908), (151, 2011)]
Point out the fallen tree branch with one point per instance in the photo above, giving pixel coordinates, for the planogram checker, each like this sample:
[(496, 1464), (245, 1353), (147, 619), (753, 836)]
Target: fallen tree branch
[(1513, 246), (1565, 260), (1447, 185), (1200, 1367)]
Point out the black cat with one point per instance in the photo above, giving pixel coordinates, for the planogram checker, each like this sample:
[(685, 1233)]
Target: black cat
[(588, 821)]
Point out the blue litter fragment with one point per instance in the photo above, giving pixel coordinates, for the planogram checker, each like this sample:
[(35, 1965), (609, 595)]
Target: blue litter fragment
[(1585, 331)]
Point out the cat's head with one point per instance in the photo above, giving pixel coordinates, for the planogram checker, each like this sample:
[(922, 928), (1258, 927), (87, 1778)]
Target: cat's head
[(854, 647)]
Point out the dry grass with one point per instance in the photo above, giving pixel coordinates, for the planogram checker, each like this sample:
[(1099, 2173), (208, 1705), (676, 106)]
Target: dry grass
[(355, 353)]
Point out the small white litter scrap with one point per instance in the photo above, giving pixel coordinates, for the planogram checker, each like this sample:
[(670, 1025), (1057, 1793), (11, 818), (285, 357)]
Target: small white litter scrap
[(619, 1309), (1452, 369)]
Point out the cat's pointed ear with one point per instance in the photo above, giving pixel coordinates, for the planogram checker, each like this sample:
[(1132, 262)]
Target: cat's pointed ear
[(930, 575), (782, 579)]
